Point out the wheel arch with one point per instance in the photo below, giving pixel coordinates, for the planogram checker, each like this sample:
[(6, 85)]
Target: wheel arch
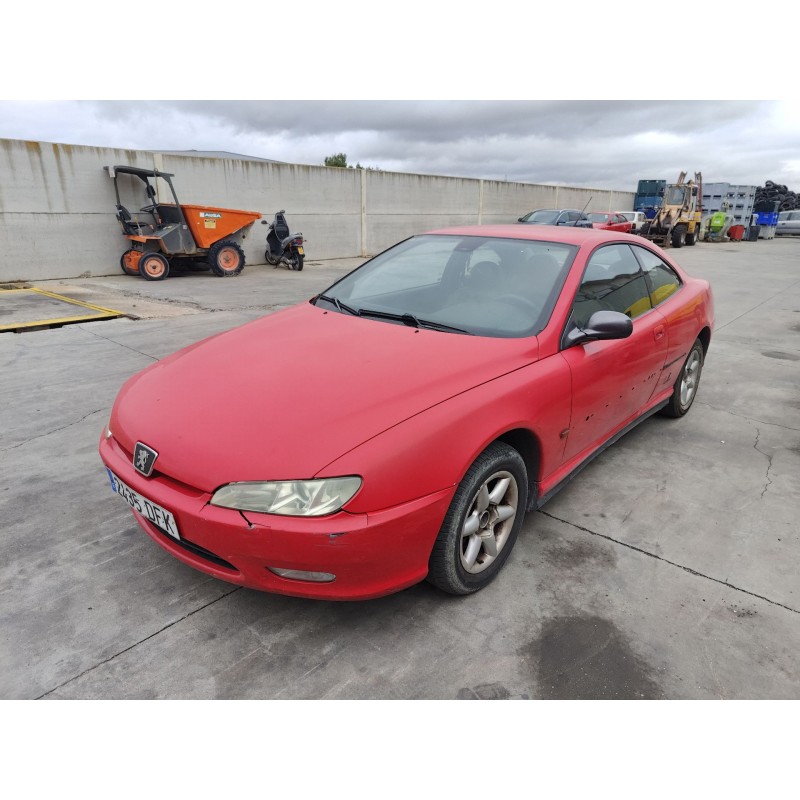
[(705, 339), (525, 442)]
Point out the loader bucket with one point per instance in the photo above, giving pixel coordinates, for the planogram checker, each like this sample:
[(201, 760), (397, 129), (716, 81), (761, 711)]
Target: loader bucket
[(209, 225)]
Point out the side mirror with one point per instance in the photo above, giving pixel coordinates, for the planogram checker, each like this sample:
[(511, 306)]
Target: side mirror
[(601, 325)]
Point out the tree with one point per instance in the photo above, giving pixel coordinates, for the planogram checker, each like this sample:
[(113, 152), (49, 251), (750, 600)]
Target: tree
[(338, 160)]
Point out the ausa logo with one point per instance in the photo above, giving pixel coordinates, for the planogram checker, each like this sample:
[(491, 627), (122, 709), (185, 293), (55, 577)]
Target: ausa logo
[(144, 459)]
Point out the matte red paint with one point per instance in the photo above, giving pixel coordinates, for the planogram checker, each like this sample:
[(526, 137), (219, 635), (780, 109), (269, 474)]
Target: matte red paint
[(309, 393)]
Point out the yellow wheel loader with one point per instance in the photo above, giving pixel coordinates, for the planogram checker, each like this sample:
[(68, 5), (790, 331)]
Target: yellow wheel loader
[(677, 222)]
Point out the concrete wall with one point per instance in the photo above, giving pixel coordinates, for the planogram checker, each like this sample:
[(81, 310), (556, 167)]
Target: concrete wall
[(57, 204)]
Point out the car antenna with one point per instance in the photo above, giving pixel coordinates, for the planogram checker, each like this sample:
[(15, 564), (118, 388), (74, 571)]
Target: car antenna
[(575, 224)]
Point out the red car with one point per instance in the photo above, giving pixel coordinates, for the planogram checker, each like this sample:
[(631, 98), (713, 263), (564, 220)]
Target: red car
[(398, 425), (610, 221)]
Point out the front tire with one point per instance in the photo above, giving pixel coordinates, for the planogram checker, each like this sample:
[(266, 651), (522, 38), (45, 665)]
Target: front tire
[(226, 259), (686, 384), (153, 267), (679, 236), (482, 523)]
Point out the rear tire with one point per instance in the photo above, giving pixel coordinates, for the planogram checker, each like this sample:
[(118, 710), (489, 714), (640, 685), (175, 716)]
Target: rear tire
[(482, 523), (226, 259), (298, 262), (129, 261), (153, 267), (686, 384), (693, 238)]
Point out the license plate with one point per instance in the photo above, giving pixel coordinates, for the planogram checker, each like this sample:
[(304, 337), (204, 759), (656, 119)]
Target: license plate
[(159, 516), (301, 251)]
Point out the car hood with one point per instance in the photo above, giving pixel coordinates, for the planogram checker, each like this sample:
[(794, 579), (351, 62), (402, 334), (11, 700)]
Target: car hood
[(284, 396)]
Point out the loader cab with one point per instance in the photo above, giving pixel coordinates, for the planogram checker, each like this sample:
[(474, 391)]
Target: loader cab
[(675, 196)]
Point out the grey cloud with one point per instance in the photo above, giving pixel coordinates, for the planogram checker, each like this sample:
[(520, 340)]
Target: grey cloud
[(594, 143)]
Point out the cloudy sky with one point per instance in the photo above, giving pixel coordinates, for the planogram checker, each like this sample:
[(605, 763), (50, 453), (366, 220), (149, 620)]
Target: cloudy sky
[(600, 144), (505, 94)]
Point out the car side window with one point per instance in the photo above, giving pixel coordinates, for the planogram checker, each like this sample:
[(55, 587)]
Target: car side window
[(662, 280), (613, 281)]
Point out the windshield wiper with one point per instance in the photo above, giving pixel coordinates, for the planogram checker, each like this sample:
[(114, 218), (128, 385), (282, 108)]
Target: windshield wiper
[(410, 320), (340, 306), (440, 326)]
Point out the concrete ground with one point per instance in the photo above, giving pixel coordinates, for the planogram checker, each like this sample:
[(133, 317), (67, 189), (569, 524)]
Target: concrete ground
[(667, 569)]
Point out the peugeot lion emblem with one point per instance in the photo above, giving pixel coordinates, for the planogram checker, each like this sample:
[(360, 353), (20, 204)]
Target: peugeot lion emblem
[(144, 459)]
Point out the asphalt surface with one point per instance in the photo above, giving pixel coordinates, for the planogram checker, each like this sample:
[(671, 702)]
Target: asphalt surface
[(666, 569)]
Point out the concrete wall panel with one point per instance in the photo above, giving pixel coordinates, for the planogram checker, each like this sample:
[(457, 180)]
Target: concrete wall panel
[(44, 246)]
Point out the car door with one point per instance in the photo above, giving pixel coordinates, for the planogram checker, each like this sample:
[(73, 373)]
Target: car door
[(620, 223), (664, 283), (563, 218), (612, 380)]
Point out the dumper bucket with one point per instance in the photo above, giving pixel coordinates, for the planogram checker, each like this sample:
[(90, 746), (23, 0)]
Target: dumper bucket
[(209, 225)]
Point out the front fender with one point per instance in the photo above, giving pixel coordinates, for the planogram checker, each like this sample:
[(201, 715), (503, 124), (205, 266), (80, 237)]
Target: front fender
[(433, 450)]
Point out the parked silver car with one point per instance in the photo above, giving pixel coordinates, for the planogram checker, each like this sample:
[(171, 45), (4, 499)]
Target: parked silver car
[(788, 223), (556, 216)]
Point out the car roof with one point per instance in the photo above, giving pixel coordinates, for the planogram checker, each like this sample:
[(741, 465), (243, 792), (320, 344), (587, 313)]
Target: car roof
[(542, 233)]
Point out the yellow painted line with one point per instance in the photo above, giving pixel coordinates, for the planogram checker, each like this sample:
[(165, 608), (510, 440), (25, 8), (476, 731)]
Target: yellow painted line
[(74, 302), (100, 312)]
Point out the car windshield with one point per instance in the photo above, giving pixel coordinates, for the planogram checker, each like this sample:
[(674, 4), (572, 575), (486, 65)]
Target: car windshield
[(597, 217), (545, 217), (476, 285)]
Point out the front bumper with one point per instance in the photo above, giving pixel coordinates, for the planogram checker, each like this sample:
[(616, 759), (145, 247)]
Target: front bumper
[(370, 554)]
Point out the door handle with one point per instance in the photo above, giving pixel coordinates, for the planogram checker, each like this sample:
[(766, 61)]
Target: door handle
[(658, 332)]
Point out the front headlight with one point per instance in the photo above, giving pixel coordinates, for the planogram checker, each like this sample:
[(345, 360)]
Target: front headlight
[(313, 498)]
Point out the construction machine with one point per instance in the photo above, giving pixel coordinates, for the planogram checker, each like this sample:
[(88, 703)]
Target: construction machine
[(174, 233), (677, 222), (716, 227)]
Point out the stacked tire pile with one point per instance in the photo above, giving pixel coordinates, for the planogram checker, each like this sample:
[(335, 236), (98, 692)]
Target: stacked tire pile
[(771, 193)]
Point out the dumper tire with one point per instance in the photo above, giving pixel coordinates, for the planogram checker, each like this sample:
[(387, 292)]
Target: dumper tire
[(693, 238), (226, 259), (678, 236), (153, 267), (129, 261)]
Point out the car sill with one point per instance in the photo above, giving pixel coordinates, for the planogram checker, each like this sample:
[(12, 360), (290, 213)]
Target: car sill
[(534, 504)]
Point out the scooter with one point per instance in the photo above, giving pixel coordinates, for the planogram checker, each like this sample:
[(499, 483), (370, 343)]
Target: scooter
[(283, 247)]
